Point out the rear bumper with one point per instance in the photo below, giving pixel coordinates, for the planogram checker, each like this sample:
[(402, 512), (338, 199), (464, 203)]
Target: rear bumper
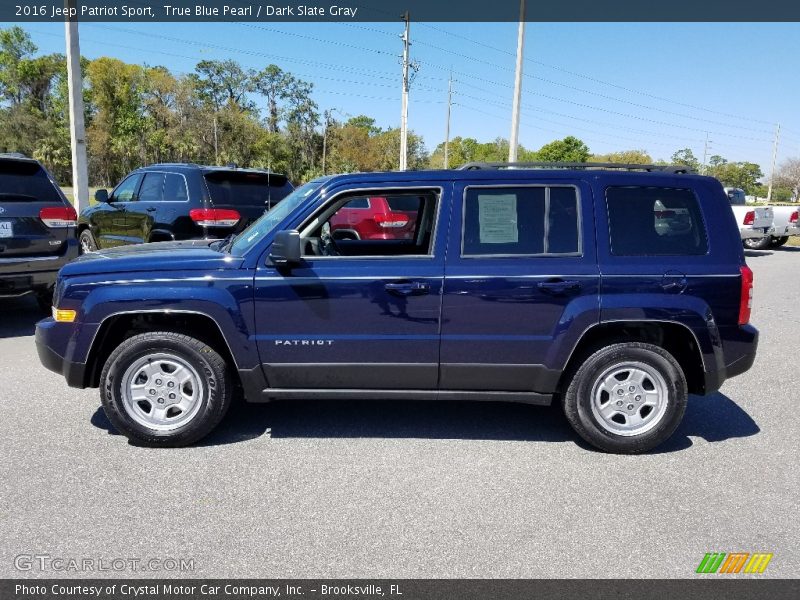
[(748, 232), (21, 275), (55, 344), (740, 346)]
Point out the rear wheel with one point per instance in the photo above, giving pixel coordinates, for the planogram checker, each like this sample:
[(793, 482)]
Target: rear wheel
[(777, 242), (627, 398), (87, 242), (758, 243), (165, 389)]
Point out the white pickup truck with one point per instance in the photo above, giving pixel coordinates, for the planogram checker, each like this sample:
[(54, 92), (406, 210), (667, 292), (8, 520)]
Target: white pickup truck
[(784, 225), (755, 222)]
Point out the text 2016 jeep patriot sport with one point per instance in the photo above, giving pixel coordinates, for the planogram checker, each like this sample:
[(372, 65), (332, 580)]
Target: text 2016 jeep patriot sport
[(615, 291)]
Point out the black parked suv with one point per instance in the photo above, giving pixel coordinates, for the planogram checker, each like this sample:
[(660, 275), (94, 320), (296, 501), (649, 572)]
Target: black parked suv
[(166, 202), (37, 229)]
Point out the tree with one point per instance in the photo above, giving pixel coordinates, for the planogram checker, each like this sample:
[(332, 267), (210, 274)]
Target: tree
[(630, 157), (570, 149), (743, 175), (685, 156), (224, 82), (788, 176), (273, 84)]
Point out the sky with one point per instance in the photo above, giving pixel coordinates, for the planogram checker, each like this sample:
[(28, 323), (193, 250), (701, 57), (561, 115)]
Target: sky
[(653, 86)]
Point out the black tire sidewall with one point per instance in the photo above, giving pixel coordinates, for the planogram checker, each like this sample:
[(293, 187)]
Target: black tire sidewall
[(209, 366), (577, 400), (761, 244), (89, 237)]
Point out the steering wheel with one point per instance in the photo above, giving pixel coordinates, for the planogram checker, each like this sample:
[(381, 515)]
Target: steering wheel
[(327, 243)]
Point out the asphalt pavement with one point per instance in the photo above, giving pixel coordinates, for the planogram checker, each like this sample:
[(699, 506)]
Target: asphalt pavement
[(404, 489)]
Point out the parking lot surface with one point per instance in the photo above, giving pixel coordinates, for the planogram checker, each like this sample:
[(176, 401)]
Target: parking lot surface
[(405, 489)]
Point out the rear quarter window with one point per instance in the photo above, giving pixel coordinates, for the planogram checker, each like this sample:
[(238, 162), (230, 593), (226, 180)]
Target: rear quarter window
[(655, 221)]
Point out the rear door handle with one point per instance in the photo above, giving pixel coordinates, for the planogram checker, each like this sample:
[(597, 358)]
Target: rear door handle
[(408, 288), (559, 287), (151, 209)]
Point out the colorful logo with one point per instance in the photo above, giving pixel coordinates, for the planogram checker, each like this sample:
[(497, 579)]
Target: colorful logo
[(734, 562)]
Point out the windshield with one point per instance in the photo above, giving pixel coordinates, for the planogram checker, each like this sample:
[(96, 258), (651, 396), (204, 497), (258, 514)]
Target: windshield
[(266, 223)]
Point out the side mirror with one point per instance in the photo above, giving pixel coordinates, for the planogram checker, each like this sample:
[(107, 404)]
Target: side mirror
[(286, 249), (101, 195)]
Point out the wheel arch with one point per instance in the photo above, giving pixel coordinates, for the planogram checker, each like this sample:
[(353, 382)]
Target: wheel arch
[(117, 327), (680, 340)]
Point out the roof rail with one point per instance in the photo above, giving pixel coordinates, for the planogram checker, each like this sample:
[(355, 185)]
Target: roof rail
[(14, 155), (675, 169)]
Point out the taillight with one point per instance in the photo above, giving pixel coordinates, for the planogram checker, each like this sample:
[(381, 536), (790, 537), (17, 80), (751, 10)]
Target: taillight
[(746, 300), (749, 217), (215, 217), (391, 220), (793, 217), (59, 216)]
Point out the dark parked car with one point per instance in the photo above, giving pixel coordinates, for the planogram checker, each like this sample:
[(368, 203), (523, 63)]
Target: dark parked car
[(167, 202), (37, 229), (523, 285)]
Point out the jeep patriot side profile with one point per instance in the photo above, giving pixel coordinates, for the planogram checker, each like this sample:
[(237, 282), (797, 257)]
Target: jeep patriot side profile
[(614, 291)]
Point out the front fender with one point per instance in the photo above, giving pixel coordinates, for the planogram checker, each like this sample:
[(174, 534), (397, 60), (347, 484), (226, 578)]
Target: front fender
[(227, 300)]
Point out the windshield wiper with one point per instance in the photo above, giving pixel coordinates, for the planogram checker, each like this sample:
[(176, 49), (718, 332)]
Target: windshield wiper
[(225, 243)]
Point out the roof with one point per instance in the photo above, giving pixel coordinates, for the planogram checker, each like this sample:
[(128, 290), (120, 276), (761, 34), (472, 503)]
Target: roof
[(507, 174)]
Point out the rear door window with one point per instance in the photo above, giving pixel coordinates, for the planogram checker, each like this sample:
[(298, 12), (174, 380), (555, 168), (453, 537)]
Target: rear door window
[(152, 188), (521, 221), (232, 188), (653, 221), (23, 181)]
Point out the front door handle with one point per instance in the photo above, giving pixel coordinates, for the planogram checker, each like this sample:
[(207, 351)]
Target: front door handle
[(151, 209), (559, 288), (408, 288)]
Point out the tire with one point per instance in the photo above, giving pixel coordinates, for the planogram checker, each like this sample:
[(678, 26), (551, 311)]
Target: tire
[(602, 377), (202, 389), (86, 242), (758, 244), (778, 242)]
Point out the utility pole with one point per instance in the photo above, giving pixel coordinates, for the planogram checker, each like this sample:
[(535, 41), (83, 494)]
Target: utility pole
[(77, 128), (514, 141), (404, 108), (705, 154), (327, 116), (774, 158), (447, 126)]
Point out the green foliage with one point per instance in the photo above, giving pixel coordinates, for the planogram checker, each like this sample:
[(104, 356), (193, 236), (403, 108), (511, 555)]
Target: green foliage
[(570, 149), (686, 157), (743, 175), (630, 157)]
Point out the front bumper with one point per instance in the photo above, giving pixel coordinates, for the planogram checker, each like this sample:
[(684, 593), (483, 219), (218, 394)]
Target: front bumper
[(57, 346)]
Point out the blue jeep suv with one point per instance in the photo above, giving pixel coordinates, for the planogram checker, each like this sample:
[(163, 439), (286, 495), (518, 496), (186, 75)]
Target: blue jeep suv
[(613, 290)]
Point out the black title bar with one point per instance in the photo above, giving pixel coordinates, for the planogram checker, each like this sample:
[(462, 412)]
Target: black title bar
[(703, 588), (150, 11)]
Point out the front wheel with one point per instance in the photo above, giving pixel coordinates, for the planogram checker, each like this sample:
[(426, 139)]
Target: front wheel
[(165, 389), (627, 398), (758, 243)]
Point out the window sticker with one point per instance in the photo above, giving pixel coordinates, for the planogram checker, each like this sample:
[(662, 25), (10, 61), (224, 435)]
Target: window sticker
[(497, 216)]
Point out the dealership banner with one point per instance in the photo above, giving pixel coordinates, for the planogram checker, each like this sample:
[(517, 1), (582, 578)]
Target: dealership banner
[(390, 10), (398, 589)]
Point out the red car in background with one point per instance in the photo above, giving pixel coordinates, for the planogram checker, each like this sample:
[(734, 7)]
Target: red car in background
[(376, 218)]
